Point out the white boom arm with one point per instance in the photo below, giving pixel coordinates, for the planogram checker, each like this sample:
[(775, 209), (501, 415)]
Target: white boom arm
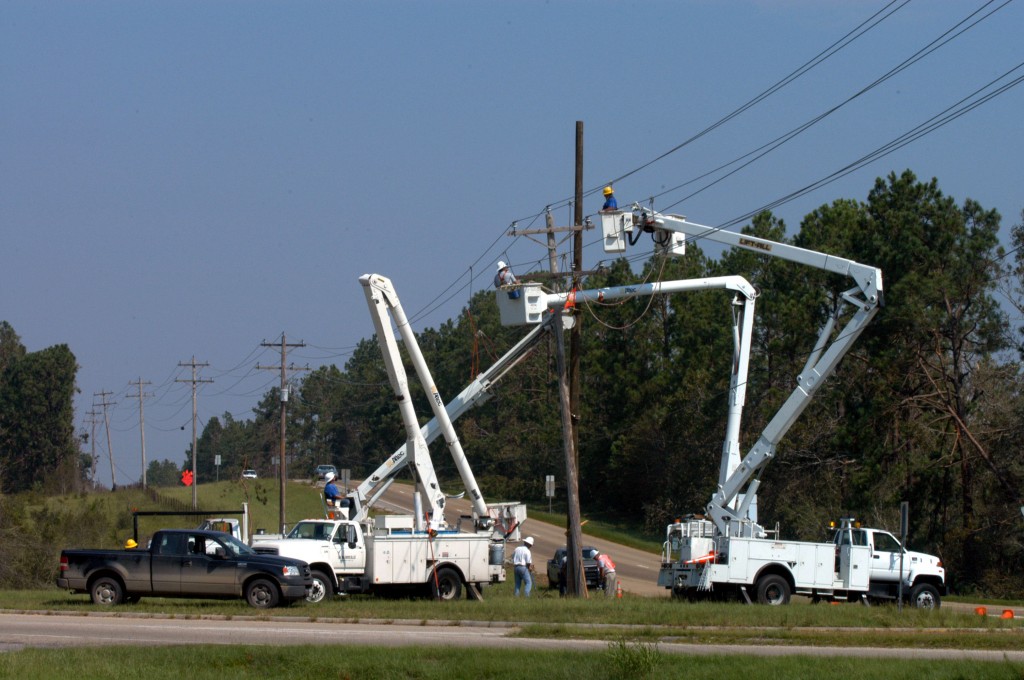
[(743, 324), (380, 297), (830, 347), (476, 393)]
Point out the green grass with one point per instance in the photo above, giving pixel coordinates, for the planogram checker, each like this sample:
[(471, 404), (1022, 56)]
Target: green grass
[(650, 619), (621, 659)]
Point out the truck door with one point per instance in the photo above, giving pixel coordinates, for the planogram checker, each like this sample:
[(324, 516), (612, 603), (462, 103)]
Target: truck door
[(205, 569), (885, 557), (165, 563), (350, 549)]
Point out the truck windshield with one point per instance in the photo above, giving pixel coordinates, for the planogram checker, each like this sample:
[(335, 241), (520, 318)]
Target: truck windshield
[(315, 530), (234, 546)]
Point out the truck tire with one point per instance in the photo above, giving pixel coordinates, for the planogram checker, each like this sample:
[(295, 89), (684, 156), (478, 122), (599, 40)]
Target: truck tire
[(262, 594), (925, 596), (107, 590), (447, 585), (322, 585), (773, 589)]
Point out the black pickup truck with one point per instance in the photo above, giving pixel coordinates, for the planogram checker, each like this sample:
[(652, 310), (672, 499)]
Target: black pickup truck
[(185, 563)]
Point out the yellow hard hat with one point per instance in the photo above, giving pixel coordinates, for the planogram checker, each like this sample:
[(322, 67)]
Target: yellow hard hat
[(608, 190), (130, 543)]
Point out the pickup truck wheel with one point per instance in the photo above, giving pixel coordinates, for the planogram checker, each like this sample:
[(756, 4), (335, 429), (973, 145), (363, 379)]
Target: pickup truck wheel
[(925, 596), (773, 589), (447, 585), (262, 594), (321, 586), (107, 590)]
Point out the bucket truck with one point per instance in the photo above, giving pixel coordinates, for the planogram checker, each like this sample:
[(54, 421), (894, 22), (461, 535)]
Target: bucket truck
[(726, 549), (357, 554)]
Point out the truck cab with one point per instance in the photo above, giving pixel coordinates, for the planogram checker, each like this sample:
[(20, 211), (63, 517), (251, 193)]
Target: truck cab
[(924, 578), (334, 550)]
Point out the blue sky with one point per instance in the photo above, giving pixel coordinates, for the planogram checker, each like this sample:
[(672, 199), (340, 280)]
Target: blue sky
[(195, 178)]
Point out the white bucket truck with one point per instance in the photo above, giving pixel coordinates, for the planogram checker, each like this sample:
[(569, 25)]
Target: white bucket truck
[(350, 552)]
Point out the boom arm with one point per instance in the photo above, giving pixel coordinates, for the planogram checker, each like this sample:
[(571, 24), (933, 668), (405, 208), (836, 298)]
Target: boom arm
[(476, 393), (865, 298)]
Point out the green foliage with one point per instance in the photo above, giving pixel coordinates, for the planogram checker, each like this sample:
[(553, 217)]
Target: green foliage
[(162, 473), (38, 448)]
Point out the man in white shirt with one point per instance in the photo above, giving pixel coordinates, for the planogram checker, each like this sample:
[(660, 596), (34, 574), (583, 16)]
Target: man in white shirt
[(522, 561)]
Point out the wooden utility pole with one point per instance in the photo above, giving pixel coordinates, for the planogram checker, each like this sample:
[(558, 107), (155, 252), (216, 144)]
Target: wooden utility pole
[(195, 381), (284, 408), (93, 420), (576, 583), (142, 423), (106, 419)]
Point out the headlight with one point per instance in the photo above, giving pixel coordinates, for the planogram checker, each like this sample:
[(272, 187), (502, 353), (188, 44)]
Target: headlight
[(290, 571)]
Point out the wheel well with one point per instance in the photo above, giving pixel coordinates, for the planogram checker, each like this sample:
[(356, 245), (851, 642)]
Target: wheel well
[(448, 565), (95, 576), (326, 569), (930, 579), (265, 577), (778, 570)]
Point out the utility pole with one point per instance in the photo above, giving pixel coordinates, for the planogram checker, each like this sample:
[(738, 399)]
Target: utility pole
[(142, 423), (284, 345), (195, 381), (93, 420), (575, 579), (106, 418)]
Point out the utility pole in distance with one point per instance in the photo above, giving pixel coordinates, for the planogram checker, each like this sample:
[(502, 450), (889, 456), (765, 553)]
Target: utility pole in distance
[(106, 419), (195, 381), (284, 406), (142, 423)]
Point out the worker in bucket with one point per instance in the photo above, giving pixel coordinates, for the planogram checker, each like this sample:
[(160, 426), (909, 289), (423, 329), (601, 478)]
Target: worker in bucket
[(331, 492), (609, 199), (505, 277), (522, 562)]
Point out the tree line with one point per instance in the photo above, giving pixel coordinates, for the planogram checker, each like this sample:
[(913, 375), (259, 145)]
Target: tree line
[(926, 408)]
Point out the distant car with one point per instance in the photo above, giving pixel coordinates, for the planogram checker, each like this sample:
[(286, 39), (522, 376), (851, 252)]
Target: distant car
[(591, 568), (249, 474), (322, 470)]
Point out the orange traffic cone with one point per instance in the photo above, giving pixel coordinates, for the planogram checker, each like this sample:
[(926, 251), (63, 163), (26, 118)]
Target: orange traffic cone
[(980, 611), (618, 589), (1007, 614)]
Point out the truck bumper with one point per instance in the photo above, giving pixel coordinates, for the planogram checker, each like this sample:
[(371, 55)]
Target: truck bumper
[(294, 592)]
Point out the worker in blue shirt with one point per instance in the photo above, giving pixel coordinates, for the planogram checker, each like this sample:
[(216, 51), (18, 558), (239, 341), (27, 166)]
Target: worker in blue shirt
[(609, 199)]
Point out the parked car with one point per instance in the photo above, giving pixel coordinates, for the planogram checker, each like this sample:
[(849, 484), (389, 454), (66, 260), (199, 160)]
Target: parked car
[(249, 474), (591, 569), (322, 470)]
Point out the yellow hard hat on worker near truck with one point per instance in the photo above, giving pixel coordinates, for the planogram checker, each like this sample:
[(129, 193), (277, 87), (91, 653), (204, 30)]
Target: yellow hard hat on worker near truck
[(608, 191)]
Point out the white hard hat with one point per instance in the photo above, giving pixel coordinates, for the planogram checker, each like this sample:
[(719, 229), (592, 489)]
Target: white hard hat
[(329, 476), (528, 541), (501, 265)]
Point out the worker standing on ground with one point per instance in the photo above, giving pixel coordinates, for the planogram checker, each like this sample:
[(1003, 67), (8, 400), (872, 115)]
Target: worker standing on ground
[(522, 562), (609, 199), (608, 572), (505, 277)]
